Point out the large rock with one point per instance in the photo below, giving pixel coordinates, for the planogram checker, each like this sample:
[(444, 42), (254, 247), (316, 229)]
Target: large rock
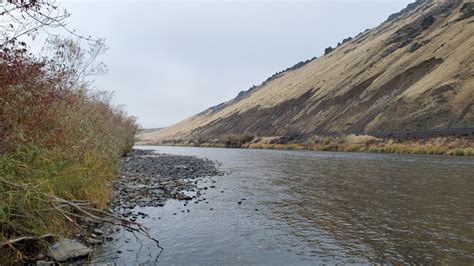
[(66, 249)]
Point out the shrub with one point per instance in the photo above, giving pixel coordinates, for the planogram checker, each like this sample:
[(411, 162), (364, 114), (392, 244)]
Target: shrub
[(457, 152), (57, 138), (469, 151), (328, 50), (236, 140)]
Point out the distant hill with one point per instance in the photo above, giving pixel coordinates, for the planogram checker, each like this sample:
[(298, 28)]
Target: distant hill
[(148, 130), (412, 72)]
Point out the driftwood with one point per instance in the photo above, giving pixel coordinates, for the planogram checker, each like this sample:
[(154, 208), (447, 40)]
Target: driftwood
[(24, 238), (74, 210)]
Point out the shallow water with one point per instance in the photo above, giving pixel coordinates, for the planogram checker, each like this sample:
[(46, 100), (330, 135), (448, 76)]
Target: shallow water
[(306, 208)]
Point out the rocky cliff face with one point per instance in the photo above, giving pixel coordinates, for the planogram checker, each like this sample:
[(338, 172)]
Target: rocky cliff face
[(414, 71)]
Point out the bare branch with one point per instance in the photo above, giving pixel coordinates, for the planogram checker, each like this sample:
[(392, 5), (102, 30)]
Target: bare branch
[(24, 238)]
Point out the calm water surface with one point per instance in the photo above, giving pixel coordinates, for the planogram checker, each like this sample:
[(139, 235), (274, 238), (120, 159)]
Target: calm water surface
[(306, 208)]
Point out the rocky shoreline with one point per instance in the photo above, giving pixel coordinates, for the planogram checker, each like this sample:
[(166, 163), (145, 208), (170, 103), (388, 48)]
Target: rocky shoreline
[(146, 179), (149, 179)]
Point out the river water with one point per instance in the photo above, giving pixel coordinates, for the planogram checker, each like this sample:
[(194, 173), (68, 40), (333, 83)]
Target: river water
[(306, 208)]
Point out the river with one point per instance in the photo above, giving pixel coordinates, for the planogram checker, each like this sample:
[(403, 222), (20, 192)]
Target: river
[(306, 208)]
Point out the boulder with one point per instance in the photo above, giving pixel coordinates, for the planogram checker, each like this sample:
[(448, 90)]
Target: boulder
[(66, 249)]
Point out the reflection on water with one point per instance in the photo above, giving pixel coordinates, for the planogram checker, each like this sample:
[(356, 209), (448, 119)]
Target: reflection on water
[(312, 207)]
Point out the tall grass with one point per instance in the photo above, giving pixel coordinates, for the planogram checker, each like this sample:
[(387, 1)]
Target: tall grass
[(56, 138), (459, 146)]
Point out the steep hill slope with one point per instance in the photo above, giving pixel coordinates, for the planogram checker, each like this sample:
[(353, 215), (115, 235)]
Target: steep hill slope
[(414, 71)]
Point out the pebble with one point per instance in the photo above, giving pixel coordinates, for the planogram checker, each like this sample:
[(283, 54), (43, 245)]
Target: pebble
[(45, 263), (148, 179), (93, 241), (98, 232)]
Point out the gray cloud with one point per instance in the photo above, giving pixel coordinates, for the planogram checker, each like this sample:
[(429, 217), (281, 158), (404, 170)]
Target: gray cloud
[(168, 61)]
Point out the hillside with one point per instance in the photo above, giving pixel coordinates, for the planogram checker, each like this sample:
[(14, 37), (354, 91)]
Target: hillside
[(414, 71)]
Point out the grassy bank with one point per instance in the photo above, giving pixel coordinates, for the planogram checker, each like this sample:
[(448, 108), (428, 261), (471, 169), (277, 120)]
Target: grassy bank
[(458, 146), (58, 138)]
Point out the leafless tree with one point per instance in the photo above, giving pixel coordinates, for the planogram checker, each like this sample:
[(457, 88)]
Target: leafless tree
[(75, 59), (27, 18), (20, 19)]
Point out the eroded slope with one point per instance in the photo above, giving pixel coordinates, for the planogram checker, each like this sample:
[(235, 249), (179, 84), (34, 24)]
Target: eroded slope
[(414, 71)]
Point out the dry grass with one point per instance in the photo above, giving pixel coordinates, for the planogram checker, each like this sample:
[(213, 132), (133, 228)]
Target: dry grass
[(55, 140), (354, 143), (274, 146)]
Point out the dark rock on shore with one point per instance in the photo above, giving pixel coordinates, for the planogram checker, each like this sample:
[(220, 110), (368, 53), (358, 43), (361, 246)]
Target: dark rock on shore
[(148, 179)]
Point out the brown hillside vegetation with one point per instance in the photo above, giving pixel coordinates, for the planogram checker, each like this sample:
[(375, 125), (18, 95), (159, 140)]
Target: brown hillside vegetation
[(414, 71)]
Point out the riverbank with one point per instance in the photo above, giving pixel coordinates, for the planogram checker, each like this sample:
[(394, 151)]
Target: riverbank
[(61, 143), (145, 179), (451, 145), (148, 179)]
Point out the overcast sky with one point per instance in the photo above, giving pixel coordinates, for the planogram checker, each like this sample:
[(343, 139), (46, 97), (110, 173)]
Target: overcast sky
[(170, 60)]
